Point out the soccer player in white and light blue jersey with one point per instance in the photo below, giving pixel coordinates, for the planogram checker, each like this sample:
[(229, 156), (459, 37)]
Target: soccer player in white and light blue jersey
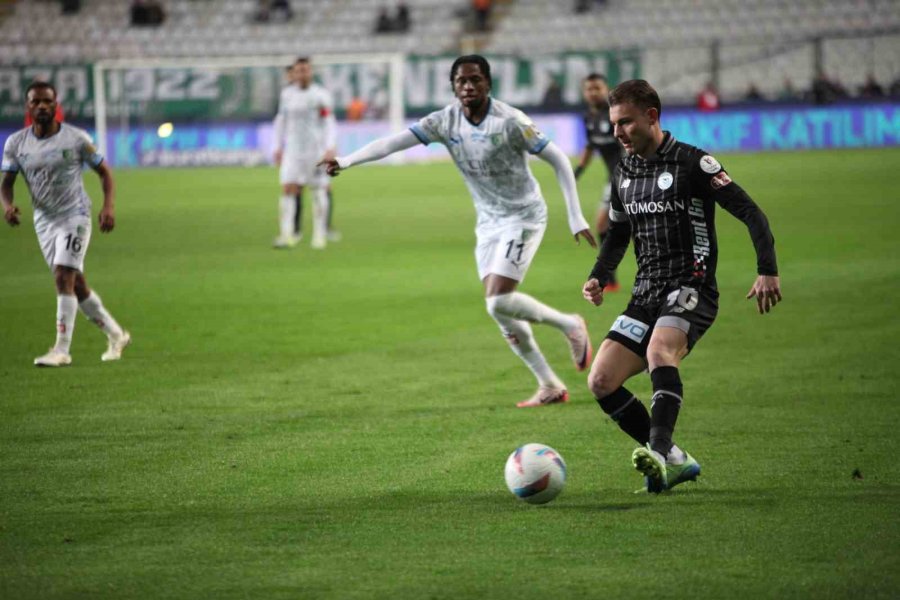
[(489, 142), (50, 156)]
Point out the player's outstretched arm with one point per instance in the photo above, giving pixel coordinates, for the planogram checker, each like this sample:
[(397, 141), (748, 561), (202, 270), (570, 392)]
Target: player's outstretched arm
[(372, 151), (566, 178), (10, 210), (107, 216)]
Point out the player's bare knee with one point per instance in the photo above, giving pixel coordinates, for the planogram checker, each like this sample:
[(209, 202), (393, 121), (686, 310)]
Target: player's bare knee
[(82, 291), (602, 383), (659, 355), (65, 279)]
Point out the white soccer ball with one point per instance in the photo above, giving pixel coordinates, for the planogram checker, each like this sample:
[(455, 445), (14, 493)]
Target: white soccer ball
[(535, 473)]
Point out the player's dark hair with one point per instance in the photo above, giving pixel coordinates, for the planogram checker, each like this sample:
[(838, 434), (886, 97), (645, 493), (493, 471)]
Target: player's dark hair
[(302, 60), (637, 92), (472, 59), (40, 85), (596, 77)]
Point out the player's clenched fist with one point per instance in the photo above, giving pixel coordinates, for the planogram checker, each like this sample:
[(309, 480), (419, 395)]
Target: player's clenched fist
[(593, 292), (11, 215)]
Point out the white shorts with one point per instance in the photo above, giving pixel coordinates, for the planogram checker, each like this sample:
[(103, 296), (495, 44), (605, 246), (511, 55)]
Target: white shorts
[(302, 172), (64, 242), (509, 251)]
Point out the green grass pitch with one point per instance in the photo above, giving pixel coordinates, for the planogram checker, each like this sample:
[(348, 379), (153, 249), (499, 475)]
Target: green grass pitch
[(302, 424)]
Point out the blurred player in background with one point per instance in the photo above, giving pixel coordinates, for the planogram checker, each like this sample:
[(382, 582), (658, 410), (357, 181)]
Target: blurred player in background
[(600, 139), (332, 234), (489, 142), (305, 135), (50, 155), (665, 197)]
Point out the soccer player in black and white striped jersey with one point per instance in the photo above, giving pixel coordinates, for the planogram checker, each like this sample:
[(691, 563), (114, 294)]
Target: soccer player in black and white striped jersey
[(663, 197)]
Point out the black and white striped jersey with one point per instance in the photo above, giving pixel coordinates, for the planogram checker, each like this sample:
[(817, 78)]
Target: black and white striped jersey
[(667, 205), (598, 131)]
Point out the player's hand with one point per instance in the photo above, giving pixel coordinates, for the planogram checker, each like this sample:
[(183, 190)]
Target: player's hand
[(278, 156), (579, 171), (593, 292), (767, 291), (586, 234), (11, 215), (107, 219), (331, 167), (329, 155)]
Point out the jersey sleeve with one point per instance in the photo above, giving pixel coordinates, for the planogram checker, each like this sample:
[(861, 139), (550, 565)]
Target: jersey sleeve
[(10, 164), (524, 134), (617, 238), (710, 181), (89, 153), (432, 128)]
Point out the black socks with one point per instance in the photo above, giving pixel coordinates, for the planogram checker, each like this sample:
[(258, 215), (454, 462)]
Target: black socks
[(667, 395), (629, 414)]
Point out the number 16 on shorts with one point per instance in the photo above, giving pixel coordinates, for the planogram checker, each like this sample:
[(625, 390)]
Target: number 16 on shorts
[(66, 243)]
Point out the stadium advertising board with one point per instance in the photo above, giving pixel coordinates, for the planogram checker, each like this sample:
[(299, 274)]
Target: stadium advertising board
[(788, 127), (234, 94), (757, 129)]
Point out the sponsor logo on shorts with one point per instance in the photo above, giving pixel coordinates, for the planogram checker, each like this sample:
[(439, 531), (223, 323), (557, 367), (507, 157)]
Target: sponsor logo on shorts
[(710, 165), (720, 180), (630, 328)]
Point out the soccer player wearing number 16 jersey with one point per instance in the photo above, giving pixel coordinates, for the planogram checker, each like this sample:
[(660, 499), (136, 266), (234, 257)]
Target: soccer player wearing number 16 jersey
[(664, 195), (489, 141), (50, 155)]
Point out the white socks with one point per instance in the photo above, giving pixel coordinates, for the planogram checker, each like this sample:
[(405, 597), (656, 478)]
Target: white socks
[(287, 206), (66, 307), (320, 215), (676, 456), (93, 309), (521, 341), (525, 308)]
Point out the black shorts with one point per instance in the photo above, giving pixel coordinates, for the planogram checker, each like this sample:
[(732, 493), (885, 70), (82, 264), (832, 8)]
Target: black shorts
[(685, 308)]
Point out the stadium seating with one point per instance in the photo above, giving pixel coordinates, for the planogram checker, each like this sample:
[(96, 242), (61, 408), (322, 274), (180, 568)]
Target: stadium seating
[(766, 41), (195, 27), (765, 44)]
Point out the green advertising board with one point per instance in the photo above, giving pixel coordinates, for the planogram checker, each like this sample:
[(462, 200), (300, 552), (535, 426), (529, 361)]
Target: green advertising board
[(251, 93)]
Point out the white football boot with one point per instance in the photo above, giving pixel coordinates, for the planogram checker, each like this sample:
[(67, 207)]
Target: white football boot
[(54, 358), (116, 346)]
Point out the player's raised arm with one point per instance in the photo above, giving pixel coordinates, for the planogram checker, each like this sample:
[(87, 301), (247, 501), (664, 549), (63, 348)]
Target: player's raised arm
[(715, 183), (372, 151), (566, 178)]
